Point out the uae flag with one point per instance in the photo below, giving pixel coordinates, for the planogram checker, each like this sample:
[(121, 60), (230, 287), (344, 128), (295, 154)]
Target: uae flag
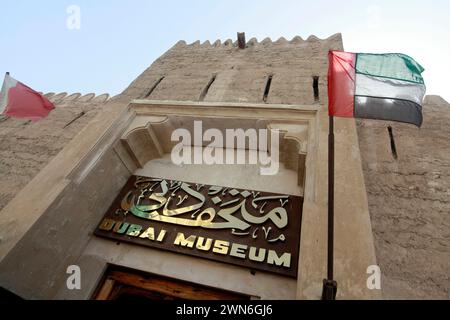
[(375, 86), (19, 101)]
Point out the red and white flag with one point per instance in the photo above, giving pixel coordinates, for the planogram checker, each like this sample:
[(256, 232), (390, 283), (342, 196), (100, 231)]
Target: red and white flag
[(19, 101)]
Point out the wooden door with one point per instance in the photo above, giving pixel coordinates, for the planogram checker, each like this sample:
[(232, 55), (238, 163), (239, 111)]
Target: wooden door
[(127, 284)]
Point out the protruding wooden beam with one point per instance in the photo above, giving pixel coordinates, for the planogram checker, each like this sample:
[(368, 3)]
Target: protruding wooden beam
[(241, 40)]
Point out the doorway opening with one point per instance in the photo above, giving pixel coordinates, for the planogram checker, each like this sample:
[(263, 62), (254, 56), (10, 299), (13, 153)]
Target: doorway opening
[(124, 284)]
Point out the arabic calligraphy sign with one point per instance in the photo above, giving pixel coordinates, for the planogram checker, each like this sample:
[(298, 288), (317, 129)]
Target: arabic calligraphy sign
[(257, 230)]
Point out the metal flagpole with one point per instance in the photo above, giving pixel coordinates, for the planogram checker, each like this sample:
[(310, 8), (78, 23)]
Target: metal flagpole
[(329, 285)]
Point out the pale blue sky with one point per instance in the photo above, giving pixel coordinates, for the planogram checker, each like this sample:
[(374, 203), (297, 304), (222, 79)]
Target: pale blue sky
[(119, 39)]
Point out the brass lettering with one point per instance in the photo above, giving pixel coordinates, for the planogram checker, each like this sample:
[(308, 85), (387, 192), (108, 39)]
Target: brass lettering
[(179, 211), (121, 227), (161, 236), (149, 234), (107, 224), (201, 245), (134, 230), (221, 247), (258, 258), (238, 250), (180, 240), (284, 260)]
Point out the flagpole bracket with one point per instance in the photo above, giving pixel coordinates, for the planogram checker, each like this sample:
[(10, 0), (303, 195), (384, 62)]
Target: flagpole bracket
[(329, 289)]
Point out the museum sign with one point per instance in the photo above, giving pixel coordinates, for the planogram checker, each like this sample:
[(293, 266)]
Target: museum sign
[(253, 229)]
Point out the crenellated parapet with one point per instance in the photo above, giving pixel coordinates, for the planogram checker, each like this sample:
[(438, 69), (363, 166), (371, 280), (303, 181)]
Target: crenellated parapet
[(239, 69), (65, 98), (229, 43)]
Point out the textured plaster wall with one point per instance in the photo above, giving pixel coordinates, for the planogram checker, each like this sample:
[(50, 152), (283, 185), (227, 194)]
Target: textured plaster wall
[(42, 235), (241, 75), (408, 198), (409, 202), (42, 227), (27, 147)]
